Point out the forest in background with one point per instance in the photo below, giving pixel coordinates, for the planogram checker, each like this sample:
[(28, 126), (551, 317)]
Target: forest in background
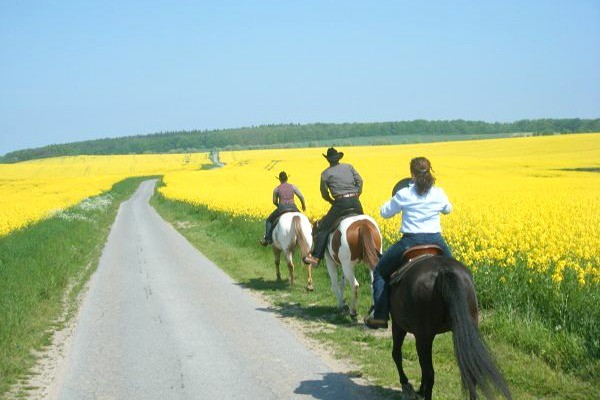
[(305, 135)]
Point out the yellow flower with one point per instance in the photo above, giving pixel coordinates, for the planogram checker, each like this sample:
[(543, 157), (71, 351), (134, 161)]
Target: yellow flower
[(516, 201)]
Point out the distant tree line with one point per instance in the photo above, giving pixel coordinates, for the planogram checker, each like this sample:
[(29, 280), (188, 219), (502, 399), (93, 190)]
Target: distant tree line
[(284, 134)]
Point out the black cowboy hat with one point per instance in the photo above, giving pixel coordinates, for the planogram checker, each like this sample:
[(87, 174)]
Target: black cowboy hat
[(283, 176), (333, 154)]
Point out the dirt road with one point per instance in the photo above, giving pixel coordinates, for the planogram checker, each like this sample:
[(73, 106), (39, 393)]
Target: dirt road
[(160, 321)]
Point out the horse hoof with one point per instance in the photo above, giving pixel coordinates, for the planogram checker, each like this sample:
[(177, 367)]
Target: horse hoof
[(310, 288), (353, 315), (345, 309), (408, 390), (278, 278)]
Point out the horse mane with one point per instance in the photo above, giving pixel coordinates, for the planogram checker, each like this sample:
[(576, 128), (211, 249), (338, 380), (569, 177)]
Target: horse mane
[(301, 239)]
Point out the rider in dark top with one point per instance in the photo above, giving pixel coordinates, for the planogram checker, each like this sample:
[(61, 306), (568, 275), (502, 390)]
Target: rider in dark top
[(340, 186), (283, 198)]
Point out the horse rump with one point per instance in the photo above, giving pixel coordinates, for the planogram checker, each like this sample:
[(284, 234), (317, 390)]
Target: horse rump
[(476, 365)]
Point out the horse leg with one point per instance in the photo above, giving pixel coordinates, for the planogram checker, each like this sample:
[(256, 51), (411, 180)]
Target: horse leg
[(348, 269), (290, 264), (309, 283), (424, 345), (398, 335), (333, 275), (277, 254), (342, 283)]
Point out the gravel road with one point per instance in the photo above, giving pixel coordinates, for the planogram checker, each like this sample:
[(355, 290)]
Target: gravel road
[(160, 321)]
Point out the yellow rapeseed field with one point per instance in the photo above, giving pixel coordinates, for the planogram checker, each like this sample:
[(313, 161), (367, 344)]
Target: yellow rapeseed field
[(532, 200), (529, 200), (30, 191)]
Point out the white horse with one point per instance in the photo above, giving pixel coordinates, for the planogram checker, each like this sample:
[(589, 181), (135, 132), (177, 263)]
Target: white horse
[(293, 230), (356, 238)]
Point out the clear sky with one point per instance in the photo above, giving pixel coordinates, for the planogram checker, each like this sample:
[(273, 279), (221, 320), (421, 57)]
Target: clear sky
[(78, 70)]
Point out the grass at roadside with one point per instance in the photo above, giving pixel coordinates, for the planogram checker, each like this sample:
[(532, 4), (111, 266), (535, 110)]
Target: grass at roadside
[(232, 243), (44, 266)]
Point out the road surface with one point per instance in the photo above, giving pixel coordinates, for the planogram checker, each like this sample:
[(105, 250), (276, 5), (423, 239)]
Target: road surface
[(160, 321)]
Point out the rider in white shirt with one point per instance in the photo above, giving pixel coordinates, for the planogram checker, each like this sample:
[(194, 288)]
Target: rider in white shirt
[(420, 204), (420, 214)]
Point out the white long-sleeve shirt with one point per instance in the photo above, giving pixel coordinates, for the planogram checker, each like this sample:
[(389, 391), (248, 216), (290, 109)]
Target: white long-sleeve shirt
[(420, 214)]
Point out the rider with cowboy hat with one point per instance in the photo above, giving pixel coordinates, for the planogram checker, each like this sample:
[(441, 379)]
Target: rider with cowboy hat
[(341, 186), (283, 198)]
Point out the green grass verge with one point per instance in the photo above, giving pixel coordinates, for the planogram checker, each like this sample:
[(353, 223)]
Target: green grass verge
[(562, 321), (42, 269), (519, 345)]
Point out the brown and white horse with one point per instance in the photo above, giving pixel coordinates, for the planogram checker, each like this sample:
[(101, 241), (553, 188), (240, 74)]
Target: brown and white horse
[(292, 231), (356, 238)]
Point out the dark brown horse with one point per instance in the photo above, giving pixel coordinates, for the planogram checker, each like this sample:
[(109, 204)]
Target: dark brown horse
[(437, 295)]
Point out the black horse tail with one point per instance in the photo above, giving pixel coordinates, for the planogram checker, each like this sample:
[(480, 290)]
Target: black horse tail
[(300, 238), (477, 368)]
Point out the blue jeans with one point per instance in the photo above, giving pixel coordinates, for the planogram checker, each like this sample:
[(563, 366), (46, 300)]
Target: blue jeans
[(390, 261)]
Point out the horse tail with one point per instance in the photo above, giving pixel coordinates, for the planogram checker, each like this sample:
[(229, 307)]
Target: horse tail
[(477, 368), (370, 247), (300, 238)]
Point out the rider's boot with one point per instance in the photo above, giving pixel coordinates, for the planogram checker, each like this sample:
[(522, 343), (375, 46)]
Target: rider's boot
[(374, 323), (310, 260), (380, 303), (267, 239)]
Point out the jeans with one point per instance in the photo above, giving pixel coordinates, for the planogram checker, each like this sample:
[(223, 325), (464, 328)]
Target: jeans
[(281, 209), (338, 208), (390, 261)]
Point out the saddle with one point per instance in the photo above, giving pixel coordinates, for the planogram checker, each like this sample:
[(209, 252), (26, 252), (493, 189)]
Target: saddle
[(411, 257), (351, 212), (276, 220)]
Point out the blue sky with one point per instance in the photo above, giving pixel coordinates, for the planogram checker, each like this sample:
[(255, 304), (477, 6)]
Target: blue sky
[(78, 70)]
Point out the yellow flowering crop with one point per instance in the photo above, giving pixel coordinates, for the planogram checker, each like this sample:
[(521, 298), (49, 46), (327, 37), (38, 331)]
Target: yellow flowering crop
[(533, 200), (521, 200), (32, 190)]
